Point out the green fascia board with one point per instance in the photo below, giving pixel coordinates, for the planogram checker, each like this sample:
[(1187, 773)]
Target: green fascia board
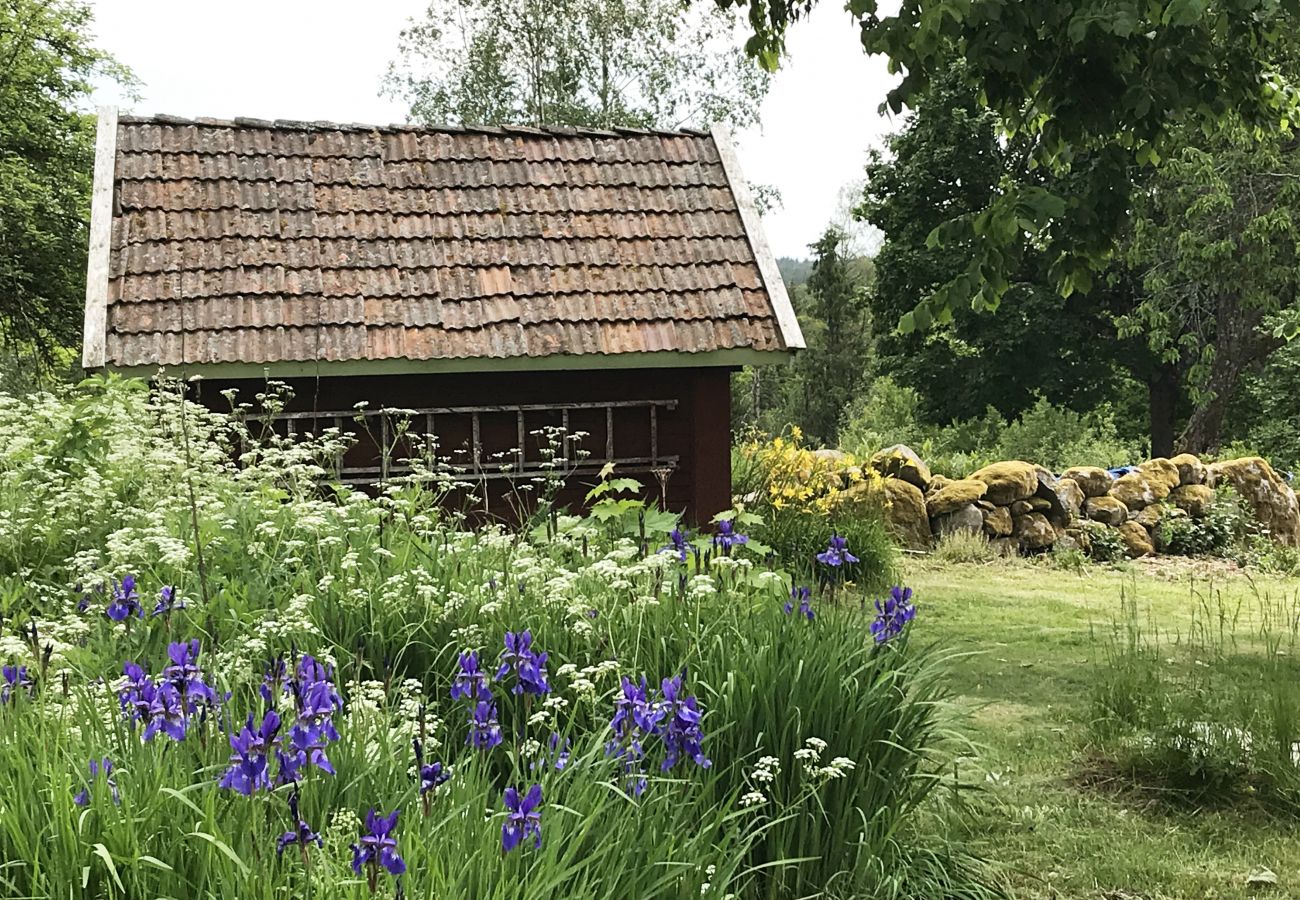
[(665, 359)]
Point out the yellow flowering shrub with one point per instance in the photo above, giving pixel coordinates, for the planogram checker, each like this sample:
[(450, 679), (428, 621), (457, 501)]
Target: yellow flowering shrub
[(804, 495), (782, 473)]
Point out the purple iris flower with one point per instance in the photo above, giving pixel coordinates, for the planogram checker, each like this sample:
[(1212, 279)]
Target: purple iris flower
[(893, 614), (184, 674), (310, 670), (682, 733), (636, 718), (252, 746), (15, 679), (316, 701), (431, 774), (302, 835), (529, 667), (165, 711), (274, 680), (98, 767), (125, 602), (167, 601), (484, 732), (378, 848), (166, 705), (634, 710), (803, 597), (471, 682), (557, 753), (290, 765), (132, 695), (677, 544), (726, 537), (307, 745), (837, 554), (86, 596), (523, 818)]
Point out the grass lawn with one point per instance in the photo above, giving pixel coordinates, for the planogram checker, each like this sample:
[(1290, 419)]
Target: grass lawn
[(1034, 635)]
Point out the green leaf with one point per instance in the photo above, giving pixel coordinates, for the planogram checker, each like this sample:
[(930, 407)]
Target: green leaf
[(102, 852), (223, 847), (180, 795), (155, 862), (1184, 12)]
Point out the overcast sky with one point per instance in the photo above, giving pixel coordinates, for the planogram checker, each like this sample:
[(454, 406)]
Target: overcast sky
[(324, 59)]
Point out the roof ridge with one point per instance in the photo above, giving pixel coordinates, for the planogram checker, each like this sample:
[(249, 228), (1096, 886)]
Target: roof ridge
[(321, 125)]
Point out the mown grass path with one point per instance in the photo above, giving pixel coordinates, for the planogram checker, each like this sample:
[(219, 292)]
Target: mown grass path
[(1034, 633)]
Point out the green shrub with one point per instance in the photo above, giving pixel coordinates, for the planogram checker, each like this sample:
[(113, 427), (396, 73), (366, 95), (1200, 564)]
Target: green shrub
[(1104, 543), (1223, 527), (797, 537), (1052, 436), (1071, 559), (801, 498)]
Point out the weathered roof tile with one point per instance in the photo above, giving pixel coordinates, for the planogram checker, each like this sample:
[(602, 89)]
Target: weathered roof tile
[(260, 242)]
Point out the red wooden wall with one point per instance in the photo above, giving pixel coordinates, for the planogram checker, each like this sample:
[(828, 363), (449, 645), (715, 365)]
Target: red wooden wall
[(697, 431)]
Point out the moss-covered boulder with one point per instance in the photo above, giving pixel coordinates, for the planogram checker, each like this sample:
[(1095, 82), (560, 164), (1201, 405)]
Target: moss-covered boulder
[(1076, 537), (968, 518), (1137, 540), (900, 461), (1194, 499), (937, 483), (1270, 498), (1150, 516), (1094, 482), (1008, 481), (1033, 532), (1190, 469), (905, 514), (1162, 475), (954, 495), (1071, 497), (1135, 492), (1021, 508), (998, 522), (1107, 510)]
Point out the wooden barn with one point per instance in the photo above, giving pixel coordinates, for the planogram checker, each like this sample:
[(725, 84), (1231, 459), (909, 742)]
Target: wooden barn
[(485, 283)]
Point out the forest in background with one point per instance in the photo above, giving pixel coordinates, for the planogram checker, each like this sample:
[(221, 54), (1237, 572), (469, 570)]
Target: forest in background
[(1182, 341)]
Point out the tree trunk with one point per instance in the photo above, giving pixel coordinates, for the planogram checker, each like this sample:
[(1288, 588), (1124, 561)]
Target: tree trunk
[(1239, 345), (1162, 406)]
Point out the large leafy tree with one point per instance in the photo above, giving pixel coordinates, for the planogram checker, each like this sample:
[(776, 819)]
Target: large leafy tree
[(596, 63), (949, 161), (47, 62), (1216, 241), (1097, 88)]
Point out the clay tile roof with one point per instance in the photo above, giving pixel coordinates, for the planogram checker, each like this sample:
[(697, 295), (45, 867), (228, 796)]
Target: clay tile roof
[(250, 241)]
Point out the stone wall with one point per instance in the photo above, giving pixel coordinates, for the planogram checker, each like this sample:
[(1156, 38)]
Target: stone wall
[(1024, 507)]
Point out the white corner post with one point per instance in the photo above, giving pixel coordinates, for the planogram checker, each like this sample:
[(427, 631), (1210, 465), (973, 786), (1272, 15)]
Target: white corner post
[(786, 320), (94, 333)]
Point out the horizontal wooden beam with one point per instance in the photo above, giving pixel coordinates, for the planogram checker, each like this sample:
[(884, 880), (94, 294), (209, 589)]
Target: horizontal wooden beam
[(663, 359)]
